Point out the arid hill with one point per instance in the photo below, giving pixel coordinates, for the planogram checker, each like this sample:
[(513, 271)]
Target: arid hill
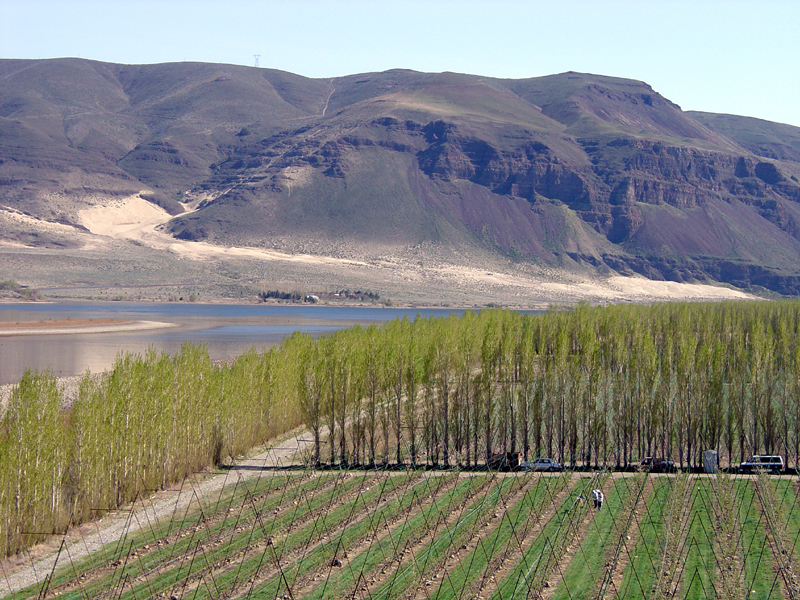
[(572, 171)]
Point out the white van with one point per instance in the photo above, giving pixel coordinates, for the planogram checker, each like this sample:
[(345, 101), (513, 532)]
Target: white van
[(761, 462)]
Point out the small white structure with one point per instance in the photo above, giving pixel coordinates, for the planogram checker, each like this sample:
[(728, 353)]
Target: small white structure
[(710, 461)]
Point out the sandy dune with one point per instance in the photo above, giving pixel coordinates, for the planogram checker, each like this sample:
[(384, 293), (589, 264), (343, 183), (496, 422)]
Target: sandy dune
[(137, 220)]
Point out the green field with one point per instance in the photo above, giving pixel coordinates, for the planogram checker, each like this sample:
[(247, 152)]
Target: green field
[(456, 535)]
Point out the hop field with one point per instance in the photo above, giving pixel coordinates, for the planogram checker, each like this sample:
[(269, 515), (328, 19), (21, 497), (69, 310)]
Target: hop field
[(594, 388), (454, 535)]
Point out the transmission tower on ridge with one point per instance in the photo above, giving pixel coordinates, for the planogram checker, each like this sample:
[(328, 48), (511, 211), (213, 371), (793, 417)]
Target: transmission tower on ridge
[(256, 56)]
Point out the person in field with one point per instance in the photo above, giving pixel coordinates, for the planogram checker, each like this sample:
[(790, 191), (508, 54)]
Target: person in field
[(598, 498)]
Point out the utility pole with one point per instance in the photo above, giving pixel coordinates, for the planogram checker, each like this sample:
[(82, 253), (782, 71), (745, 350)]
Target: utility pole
[(256, 56)]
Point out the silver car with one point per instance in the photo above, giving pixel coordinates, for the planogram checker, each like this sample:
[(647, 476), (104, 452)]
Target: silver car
[(541, 464)]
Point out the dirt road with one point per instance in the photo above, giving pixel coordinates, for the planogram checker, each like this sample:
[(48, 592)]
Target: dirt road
[(32, 567)]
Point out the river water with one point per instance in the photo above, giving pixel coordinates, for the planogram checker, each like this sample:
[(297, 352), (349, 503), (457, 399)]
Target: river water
[(227, 330)]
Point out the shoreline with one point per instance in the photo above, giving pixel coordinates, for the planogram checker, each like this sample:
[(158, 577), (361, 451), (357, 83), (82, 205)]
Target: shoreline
[(42, 328), (534, 305)]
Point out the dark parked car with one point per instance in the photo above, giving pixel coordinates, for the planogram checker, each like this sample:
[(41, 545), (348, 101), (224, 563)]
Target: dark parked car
[(541, 464), (505, 460), (657, 465)]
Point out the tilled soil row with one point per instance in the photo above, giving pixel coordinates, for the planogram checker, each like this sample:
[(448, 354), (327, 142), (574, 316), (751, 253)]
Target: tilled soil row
[(727, 540), (628, 536), (577, 521), (485, 527), (676, 528), (367, 582), (326, 542), (484, 509), (500, 566), (480, 560), (573, 547), (206, 520), (266, 536), (646, 554), (780, 544)]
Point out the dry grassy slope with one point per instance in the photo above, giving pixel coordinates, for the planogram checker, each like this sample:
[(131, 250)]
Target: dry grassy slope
[(74, 125), (572, 171), (764, 138)]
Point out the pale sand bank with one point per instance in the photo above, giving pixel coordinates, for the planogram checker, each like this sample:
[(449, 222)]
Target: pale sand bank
[(104, 328)]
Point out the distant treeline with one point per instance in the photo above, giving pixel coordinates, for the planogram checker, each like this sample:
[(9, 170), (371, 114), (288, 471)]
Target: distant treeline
[(588, 386), (316, 296), (278, 295)]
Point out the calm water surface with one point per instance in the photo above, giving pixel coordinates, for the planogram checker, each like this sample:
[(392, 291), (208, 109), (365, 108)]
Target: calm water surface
[(227, 330)]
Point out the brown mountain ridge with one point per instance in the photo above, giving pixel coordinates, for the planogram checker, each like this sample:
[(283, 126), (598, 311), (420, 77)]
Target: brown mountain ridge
[(573, 170)]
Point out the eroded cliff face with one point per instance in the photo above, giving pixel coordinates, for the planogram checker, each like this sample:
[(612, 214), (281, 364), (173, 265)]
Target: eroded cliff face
[(564, 169), (617, 173), (640, 172), (623, 177), (524, 166), (623, 173)]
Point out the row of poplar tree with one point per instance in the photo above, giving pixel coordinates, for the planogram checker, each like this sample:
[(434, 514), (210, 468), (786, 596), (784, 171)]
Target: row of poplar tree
[(588, 386)]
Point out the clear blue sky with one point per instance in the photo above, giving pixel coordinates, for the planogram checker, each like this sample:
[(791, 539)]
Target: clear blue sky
[(729, 56)]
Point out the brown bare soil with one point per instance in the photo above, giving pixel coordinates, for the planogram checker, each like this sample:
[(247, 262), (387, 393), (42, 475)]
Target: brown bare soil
[(483, 529), (502, 563), (627, 538), (570, 552)]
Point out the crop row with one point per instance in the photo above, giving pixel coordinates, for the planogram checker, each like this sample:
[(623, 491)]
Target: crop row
[(458, 536)]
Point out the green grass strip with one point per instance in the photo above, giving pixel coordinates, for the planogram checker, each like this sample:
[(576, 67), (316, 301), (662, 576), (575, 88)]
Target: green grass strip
[(586, 570), (323, 554), (759, 576), (700, 566), (513, 523), (639, 578)]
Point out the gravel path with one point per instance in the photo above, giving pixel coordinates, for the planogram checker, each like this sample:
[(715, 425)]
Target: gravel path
[(33, 567)]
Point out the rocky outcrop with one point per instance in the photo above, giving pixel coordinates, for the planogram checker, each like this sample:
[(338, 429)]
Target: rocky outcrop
[(609, 191), (571, 167)]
